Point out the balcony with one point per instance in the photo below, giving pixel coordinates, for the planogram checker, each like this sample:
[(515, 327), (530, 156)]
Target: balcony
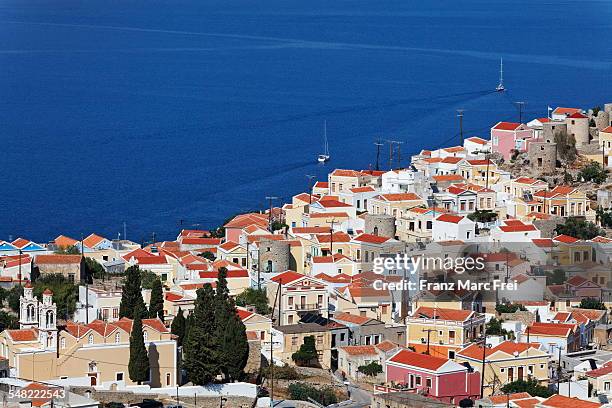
[(305, 306)]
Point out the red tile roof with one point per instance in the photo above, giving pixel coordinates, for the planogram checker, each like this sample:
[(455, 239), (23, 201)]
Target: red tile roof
[(371, 239), (606, 130), (565, 111), (518, 228), (333, 204), (63, 241), (23, 334), (418, 360), (566, 239), (448, 177), (287, 277), (351, 318), (476, 139), (362, 189), (601, 371), (507, 126), (92, 240), (578, 115), (560, 401), (400, 197), (501, 399), (454, 219), (55, 259), (443, 314)]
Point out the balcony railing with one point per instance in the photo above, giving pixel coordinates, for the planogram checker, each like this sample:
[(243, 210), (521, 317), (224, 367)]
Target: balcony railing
[(306, 306)]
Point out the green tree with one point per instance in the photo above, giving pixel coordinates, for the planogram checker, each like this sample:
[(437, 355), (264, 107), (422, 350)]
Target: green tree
[(200, 345), (494, 328), (307, 354), (235, 348), (579, 228), (531, 386), (13, 298), (323, 395), (371, 370), (8, 321), (94, 269), (138, 365), (254, 297), (593, 172), (482, 216), (131, 295), (147, 279), (65, 292), (69, 250), (556, 277), (230, 331), (156, 304), (509, 308), (208, 255), (590, 303), (178, 327)]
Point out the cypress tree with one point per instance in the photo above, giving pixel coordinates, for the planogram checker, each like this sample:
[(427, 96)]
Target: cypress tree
[(131, 295), (233, 347), (178, 327), (138, 366), (156, 305), (201, 344)]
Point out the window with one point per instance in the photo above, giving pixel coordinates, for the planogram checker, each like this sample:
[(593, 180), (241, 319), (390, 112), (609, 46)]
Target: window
[(117, 338), (290, 319), (63, 342), (115, 313), (90, 339), (428, 383), (145, 335), (168, 377), (418, 380), (118, 376), (607, 386), (451, 354), (294, 341)]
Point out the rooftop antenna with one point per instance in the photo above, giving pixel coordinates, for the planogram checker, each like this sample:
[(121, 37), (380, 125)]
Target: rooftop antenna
[(500, 87), (460, 116), (520, 106)]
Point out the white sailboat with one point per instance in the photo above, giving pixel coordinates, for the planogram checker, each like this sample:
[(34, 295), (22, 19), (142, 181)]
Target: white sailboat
[(501, 87), (325, 156)]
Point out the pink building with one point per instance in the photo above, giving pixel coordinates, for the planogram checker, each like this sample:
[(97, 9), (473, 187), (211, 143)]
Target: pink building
[(435, 377), (509, 136)]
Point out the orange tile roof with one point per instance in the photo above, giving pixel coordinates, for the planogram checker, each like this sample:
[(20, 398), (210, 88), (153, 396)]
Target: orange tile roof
[(371, 239), (507, 126), (92, 240), (365, 189), (23, 334), (474, 350), (551, 329), (351, 318), (566, 239), (606, 130), (399, 197), (54, 259), (63, 241), (560, 401), (337, 237), (346, 173), (453, 219), (451, 160), (448, 177), (310, 230), (418, 360), (443, 314), (359, 350), (329, 215), (333, 204), (500, 399), (243, 220), (287, 277), (476, 139)]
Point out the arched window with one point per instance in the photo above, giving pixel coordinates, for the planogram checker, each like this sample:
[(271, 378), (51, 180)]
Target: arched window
[(375, 231), (50, 318), (90, 339), (30, 312), (145, 335), (117, 337)]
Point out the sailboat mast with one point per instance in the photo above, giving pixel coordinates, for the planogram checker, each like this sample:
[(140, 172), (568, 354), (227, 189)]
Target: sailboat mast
[(325, 136), (501, 71)]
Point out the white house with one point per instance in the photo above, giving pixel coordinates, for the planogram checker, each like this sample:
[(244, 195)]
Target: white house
[(514, 231), (449, 227), (476, 146)]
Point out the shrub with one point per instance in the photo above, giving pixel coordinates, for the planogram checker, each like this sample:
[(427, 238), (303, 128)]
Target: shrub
[(323, 395)]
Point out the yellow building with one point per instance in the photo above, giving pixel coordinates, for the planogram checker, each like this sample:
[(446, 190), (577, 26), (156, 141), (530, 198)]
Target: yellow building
[(478, 171), (294, 294), (394, 204), (443, 331), (99, 351), (507, 362)]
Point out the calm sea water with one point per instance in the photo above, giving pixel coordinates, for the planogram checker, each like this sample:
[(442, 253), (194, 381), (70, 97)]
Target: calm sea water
[(152, 112)]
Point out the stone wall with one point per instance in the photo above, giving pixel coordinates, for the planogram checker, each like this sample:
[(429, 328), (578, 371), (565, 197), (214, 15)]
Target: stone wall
[(278, 252), (547, 227), (542, 158), (380, 224)]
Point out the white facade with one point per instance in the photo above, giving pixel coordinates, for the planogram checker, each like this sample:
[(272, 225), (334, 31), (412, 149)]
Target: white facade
[(450, 228)]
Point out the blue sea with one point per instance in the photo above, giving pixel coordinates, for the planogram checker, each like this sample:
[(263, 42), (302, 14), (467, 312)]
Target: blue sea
[(170, 114)]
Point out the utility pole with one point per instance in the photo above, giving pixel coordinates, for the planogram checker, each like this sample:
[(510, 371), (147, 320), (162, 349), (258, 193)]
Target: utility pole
[(484, 356), (520, 106), (19, 273), (331, 238), (310, 177), (270, 198), (390, 154), (399, 154), (378, 143), (460, 116), (124, 230), (428, 334)]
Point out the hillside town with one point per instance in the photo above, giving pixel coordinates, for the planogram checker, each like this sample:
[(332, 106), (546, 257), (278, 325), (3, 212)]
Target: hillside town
[(478, 274)]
